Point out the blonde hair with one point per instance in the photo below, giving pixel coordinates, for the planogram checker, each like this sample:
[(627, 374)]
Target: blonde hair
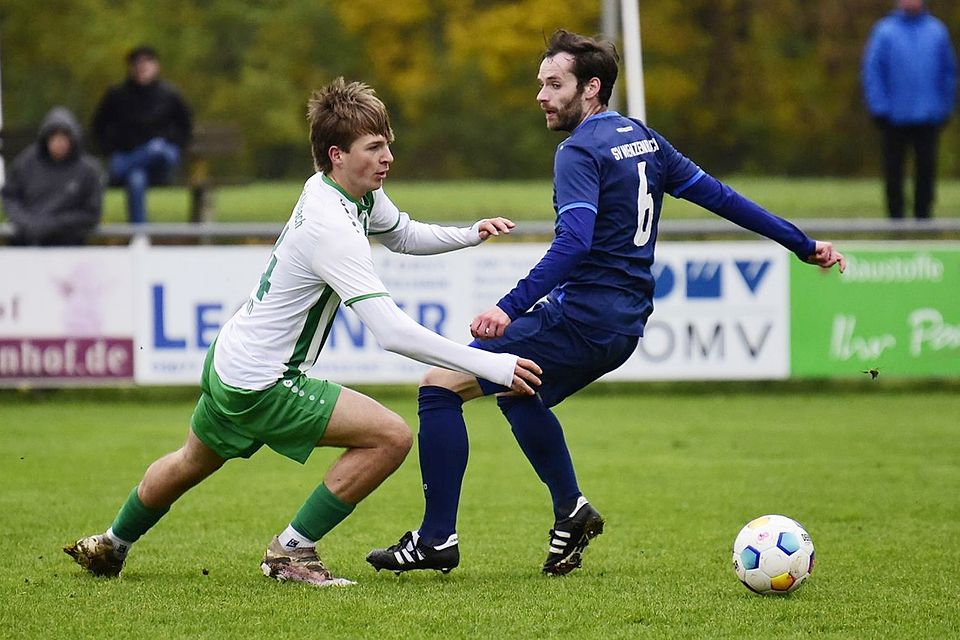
[(341, 112)]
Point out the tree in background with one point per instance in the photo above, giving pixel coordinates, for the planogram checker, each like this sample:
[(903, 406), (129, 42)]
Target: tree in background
[(757, 86)]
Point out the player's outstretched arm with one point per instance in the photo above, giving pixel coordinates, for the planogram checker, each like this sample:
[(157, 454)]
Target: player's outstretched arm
[(395, 331), (710, 193), (721, 199), (826, 256), (421, 238)]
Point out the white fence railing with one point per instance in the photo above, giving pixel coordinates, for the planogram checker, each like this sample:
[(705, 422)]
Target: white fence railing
[(266, 232)]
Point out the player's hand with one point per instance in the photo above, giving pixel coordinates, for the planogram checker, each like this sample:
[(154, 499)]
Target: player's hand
[(494, 227), (826, 256), (489, 324), (526, 376)]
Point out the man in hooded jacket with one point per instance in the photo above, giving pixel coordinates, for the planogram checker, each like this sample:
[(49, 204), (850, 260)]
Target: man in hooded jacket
[(53, 194)]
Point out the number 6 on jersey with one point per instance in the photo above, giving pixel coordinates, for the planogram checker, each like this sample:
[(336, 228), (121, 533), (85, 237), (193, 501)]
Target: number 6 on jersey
[(644, 208)]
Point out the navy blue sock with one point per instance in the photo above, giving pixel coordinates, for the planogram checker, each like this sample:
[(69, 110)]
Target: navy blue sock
[(540, 435), (443, 460)]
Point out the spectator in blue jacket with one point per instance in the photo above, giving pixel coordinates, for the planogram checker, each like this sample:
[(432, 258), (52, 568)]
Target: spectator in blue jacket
[(909, 76)]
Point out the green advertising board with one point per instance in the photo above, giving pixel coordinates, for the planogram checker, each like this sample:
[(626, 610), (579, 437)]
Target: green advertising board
[(896, 310)]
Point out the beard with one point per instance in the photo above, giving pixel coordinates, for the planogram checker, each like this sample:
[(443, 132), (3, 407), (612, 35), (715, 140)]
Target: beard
[(569, 115)]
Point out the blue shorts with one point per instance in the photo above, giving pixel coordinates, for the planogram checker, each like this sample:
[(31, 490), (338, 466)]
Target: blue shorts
[(571, 355)]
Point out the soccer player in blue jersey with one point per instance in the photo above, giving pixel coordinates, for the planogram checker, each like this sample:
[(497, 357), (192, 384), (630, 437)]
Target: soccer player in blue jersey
[(610, 176)]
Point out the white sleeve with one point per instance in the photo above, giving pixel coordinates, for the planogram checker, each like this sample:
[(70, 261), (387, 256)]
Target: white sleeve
[(420, 238), (397, 332), (395, 230)]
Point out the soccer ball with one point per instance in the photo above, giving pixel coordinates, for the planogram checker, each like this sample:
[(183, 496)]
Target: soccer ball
[(773, 555)]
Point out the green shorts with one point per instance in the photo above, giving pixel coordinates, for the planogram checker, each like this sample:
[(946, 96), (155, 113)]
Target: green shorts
[(289, 417)]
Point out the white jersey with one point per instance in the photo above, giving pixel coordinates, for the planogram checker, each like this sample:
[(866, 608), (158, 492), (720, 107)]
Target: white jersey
[(321, 258)]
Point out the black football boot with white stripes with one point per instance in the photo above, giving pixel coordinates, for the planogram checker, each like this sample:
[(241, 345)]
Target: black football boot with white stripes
[(411, 553), (570, 536)]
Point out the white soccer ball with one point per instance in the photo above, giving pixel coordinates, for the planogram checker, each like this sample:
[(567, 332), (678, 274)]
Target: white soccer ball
[(773, 555)]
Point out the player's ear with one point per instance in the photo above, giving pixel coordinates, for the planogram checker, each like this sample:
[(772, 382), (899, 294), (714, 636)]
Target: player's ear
[(336, 155), (592, 88)]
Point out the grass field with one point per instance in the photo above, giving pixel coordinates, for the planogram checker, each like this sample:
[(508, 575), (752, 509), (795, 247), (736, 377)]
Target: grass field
[(871, 470), (531, 200)]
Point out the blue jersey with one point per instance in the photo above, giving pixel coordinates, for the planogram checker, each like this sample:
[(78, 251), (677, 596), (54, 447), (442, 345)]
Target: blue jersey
[(618, 169), (610, 176)]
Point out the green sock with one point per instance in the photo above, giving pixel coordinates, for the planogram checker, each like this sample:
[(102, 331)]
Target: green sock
[(135, 519), (320, 513)]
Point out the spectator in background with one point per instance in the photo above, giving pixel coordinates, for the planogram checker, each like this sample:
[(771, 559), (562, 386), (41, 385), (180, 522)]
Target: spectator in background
[(53, 193), (143, 125), (909, 76)]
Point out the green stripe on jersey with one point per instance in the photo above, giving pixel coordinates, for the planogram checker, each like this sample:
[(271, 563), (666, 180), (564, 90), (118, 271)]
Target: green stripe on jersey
[(365, 296), (364, 206), (364, 203), (395, 225), (333, 183), (302, 347)]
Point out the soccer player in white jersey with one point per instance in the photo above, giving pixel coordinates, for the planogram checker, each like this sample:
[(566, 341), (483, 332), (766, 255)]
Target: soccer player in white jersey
[(254, 386)]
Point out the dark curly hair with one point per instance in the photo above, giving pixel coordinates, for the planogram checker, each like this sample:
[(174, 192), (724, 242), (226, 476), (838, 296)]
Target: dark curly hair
[(592, 58)]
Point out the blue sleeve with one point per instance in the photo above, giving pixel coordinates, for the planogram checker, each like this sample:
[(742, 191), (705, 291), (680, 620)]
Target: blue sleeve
[(711, 194), (949, 79), (679, 171), (572, 244), (872, 72), (576, 178)]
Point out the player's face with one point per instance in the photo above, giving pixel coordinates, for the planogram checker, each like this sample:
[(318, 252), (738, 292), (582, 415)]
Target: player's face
[(558, 97), (364, 166)]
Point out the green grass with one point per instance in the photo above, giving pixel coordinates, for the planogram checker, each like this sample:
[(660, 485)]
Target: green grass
[(871, 470), (531, 200)]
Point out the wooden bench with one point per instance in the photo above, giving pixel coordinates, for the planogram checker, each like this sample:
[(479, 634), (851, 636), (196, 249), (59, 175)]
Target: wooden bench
[(211, 140)]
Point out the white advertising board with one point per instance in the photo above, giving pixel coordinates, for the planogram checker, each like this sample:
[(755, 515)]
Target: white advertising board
[(721, 311), (149, 313), (183, 295), (66, 316)]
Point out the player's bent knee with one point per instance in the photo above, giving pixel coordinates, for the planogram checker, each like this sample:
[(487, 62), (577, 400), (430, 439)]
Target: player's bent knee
[(396, 439), (460, 383), (435, 377)]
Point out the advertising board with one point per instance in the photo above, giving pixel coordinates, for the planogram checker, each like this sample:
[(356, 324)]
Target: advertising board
[(720, 312), (896, 310), (66, 316)]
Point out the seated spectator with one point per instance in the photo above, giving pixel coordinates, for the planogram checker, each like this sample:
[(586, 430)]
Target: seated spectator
[(53, 194), (143, 125)]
